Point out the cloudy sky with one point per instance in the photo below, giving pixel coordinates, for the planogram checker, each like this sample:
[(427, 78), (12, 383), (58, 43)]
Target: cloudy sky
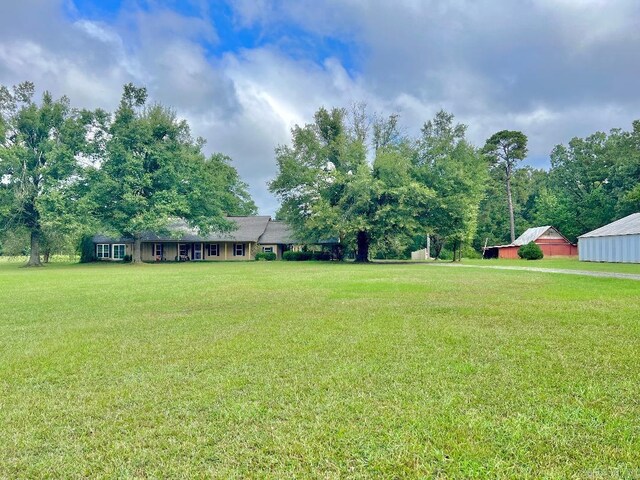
[(243, 72)]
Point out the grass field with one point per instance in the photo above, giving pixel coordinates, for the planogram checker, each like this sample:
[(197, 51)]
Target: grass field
[(298, 370)]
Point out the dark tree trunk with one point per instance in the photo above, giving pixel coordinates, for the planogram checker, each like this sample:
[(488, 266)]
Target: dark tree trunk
[(137, 254), (34, 259), (362, 253), (46, 255), (437, 243)]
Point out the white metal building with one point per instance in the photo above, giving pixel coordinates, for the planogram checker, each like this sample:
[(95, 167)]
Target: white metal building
[(617, 242)]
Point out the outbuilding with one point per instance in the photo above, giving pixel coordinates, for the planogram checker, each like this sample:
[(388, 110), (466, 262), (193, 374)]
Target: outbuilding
[(616, 242), (548, 238)]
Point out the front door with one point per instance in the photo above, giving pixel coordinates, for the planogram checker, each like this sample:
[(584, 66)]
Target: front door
[(197, 251)]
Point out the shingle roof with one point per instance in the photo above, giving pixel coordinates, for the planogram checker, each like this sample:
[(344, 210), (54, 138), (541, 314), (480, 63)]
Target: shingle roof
[(629, 225), (277, 233), (248, 229)]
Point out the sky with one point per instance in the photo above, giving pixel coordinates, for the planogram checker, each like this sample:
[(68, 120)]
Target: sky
[(244, 72)]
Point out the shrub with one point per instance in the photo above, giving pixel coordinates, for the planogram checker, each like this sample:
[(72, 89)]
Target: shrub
[(322, 256), (292, 256), (127, 259), (268, 256), (445, 254), (530, 251), (87, 249), (469, 252)]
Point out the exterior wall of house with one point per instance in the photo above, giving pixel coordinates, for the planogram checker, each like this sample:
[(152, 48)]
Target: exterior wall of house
[(128, 250), (274, 248), (226, 251), (615, 248)]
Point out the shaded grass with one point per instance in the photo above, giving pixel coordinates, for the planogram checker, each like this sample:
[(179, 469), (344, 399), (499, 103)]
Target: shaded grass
[(287, 370)]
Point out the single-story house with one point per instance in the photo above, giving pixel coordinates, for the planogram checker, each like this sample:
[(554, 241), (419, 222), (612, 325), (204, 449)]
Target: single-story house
[(252, 235), (616, 242), (549, 239)]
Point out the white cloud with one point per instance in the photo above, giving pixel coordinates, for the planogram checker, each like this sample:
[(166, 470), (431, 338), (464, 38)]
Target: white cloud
[(554, 69)]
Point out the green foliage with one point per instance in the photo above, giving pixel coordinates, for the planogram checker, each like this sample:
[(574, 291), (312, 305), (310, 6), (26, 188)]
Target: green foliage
[(155, 172), (292, 256), (457, 173), (268, 256), (127, 259), (302, 256), (530, 251), (321, 256), (505, 149), (86, 249), (329, 190), (39, 149)]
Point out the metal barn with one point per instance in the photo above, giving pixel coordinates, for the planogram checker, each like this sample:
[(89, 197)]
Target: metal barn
[(616, 242), (549, 239)]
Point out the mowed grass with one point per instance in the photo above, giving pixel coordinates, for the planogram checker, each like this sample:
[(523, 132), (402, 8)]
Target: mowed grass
[(312, 370)]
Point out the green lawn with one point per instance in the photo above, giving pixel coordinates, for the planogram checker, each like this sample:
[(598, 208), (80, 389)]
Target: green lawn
[(561, 262), (295, 370)]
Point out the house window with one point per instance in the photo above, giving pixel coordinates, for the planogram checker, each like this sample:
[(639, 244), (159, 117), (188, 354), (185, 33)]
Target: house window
[(182, 249), (102, 250), (157, 251), (213, 250), (238, 250), (118, 251), (267, 249)]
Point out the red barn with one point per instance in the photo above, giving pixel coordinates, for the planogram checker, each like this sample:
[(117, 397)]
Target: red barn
[(550, 240)]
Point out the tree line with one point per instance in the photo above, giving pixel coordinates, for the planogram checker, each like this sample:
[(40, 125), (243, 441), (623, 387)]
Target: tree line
[(349, 178), (67, 172), (357, 178)]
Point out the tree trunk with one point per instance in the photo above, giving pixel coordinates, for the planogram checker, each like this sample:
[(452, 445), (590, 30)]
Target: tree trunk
[(362, 252), (136, 257), (338, 252), (512, 222), (34, 259), (46, 255)]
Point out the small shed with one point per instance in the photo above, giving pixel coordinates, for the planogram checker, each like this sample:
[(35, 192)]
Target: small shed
[(616, 242), (551, 242)]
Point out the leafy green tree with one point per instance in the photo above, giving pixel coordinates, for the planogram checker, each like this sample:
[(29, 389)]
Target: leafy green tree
[(39, 149), (506, 148), (457, 173), (328, 189), (527, 184), (154, 172)]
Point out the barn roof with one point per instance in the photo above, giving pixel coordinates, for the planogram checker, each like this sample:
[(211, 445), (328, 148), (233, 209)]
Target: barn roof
[(629, 225), (530, 235)]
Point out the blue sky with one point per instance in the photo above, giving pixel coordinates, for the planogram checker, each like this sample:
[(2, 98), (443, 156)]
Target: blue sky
[(244, 72)]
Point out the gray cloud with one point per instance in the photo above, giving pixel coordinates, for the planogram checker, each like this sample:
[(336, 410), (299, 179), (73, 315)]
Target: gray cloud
[(551, 68)]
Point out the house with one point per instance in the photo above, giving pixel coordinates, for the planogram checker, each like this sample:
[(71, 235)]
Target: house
[(252, 235), (616, 242), (549, 239)]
